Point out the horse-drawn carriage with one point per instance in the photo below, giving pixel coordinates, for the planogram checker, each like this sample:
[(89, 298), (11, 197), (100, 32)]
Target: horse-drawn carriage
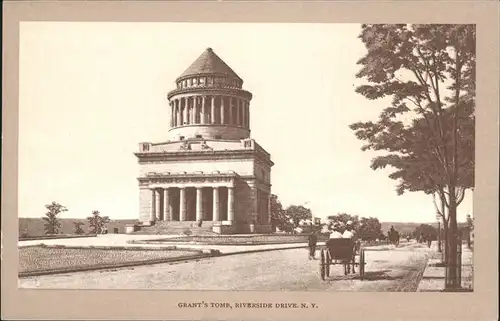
[(342, 252), (393, 237)]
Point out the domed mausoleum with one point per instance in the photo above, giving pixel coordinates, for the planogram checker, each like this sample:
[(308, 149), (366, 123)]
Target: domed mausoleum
[(209, 172)]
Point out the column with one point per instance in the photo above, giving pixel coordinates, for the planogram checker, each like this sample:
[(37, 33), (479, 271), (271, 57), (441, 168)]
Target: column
[(268, 208), (243, 114), (216, 214), (157, 204), (166, 205), (190, 110), (248, 114), (199, 204), (178, 121), (193, 110), (222, 110), (203, 103), (182, 206), (238, 103), (231, 106), (213, 110), (174, 114), (152, 213), (184, 111), (171, 114), (230, 204), (197, 110)]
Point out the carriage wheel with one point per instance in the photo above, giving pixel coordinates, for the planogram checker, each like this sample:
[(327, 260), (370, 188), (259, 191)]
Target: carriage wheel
[(328, 261), (361, 264), (322, 265)]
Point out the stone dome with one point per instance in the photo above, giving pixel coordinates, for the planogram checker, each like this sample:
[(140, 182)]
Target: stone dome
[(209, 102), (208, 63)]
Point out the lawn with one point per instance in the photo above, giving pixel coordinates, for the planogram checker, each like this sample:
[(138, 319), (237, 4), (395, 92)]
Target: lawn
[(48, 259)]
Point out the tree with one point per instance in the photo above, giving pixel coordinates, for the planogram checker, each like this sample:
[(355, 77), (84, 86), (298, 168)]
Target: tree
[(429, 71), (343, 218), (369, 228), (97, 222), (278, 216), (425, 230), (52, 224), (78, 227), (296, 213)]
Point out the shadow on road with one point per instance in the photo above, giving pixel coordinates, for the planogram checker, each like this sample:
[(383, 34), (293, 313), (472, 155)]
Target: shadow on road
[(369, 276)]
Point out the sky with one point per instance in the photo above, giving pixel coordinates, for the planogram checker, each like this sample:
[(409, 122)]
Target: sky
[(91, 91)]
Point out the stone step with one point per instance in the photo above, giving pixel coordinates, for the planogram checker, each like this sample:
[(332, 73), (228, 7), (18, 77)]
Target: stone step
[(176, 227)]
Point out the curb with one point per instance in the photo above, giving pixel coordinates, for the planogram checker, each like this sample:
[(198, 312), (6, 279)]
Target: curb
[(181, 243), (264, 250), (427, 265), (421, 273), (114, 266), (114, 248)]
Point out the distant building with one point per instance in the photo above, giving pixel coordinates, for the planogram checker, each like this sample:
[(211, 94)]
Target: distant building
[(209, 169)]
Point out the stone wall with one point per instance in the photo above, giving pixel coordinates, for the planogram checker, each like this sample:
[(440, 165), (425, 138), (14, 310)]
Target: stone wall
[(263, 172), (246, 201), (145, 201), (209, 132)]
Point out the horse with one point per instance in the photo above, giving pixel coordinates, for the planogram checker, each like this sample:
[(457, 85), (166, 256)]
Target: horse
[(393, 237)]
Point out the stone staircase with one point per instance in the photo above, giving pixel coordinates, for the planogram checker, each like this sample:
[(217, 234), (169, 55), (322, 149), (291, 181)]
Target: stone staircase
[(178, 228)]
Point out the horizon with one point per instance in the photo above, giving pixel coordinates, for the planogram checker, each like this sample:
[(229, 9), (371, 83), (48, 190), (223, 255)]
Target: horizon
[(90, 92), (131, 219)]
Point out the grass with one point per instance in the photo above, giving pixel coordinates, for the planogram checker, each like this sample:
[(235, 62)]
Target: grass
[(48, 259), (56, 236)]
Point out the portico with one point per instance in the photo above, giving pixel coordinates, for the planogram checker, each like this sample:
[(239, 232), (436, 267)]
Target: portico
[(190, 203)]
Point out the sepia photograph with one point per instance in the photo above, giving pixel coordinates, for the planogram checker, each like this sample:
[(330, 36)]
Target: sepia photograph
[(325, 157)]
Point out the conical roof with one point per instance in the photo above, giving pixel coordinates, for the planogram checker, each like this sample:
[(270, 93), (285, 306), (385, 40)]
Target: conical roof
[(209, 63)]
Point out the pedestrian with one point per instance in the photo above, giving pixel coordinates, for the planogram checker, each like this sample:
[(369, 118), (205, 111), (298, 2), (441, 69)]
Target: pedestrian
[(312, 241)]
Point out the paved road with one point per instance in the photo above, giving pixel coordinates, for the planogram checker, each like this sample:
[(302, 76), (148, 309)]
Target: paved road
[(387, 270)]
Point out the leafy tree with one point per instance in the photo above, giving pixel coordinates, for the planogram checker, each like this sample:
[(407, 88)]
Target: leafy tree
[(97, 222), (429, 71), (278, 215), (343, 218), (369, 228), (78, 227), (425, 230), (296, 213), (52, 224)]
